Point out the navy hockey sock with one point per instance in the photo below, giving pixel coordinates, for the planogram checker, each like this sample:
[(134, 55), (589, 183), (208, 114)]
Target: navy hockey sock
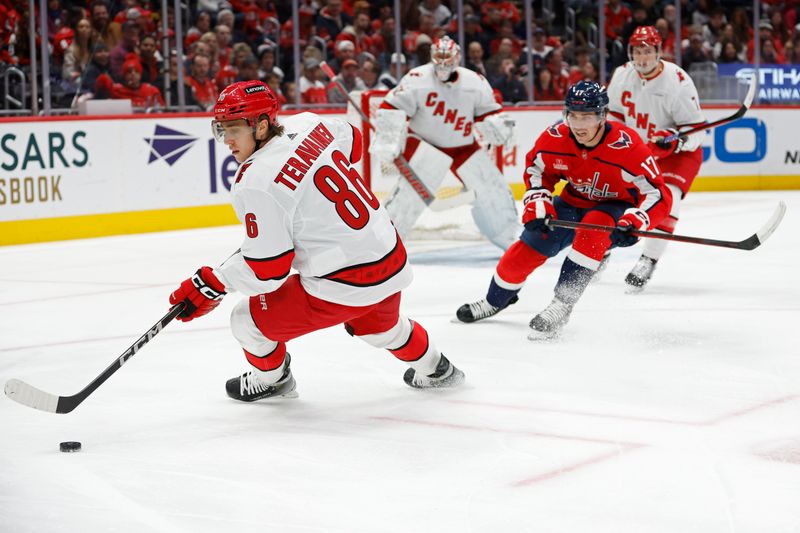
[(572, 281), (498, 296)]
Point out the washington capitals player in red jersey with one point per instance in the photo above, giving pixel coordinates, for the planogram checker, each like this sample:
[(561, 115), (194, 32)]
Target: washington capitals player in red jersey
[(612, 179)]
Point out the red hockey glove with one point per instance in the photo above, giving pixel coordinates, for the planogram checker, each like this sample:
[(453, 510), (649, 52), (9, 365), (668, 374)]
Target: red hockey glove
[(633, 219), (201, 294), (538, 208), (662, 149)]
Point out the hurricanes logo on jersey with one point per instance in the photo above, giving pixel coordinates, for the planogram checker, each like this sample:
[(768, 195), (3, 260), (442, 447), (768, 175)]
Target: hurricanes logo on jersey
[(624, 141)]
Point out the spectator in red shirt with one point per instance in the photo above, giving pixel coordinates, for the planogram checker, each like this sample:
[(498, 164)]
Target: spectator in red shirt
[(617, 16), (204, 90), (560, 76), (312, 90), (150, 62), (140, 94), (543, 88)]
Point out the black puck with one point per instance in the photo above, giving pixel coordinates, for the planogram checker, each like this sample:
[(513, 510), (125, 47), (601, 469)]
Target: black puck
[(70, 446)]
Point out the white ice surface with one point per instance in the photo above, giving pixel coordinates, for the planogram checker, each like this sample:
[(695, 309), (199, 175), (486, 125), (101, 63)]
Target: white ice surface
[(677, 410)]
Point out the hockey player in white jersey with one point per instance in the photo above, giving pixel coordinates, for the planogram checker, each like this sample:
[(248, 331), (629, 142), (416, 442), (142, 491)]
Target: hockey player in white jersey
[(658, 98), (304, 207), (429, 118)]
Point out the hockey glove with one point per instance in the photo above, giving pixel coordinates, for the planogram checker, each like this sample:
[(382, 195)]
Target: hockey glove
[(497, 129), (632, 220), (201, 294), (662, 149), (391, 132), (538, 209)]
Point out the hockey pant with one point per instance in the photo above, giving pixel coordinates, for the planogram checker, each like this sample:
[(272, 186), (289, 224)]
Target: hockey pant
[(493, 210), (263, 325), (535, 247)]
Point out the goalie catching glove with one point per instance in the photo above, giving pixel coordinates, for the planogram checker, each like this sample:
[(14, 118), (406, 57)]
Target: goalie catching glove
[(662, 149), (633, 219), (390, 134), (497, 129), (201, 294), (538, 209)]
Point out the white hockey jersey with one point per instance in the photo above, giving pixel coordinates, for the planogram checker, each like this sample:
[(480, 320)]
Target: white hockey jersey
[(305, 207), (443, 113), (667, 101)]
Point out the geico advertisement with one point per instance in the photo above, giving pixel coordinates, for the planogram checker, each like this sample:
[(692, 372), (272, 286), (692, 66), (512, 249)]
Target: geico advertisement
[(75, 167)]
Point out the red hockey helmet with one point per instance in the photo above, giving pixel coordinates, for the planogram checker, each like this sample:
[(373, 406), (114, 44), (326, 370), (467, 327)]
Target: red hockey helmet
[(244, 100), (247, 100), (645, 36)]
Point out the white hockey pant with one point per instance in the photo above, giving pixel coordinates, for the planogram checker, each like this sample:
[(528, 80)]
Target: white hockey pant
[(654, 248), (494, 210), (403, 203)]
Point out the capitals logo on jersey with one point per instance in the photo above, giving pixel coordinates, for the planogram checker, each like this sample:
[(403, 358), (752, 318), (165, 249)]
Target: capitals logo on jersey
[(623, 142)]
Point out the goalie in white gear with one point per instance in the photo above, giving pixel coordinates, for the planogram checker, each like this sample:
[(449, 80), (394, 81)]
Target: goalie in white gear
[(443, 103)]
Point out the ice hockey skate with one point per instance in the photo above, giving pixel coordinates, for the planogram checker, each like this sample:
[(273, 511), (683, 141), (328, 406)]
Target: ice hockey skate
[(445, 376), (249, 387), (548, 323), (641, 273), (480, 310)]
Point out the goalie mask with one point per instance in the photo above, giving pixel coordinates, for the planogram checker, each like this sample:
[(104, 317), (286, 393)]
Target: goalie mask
[(445, 56), (644, 49)]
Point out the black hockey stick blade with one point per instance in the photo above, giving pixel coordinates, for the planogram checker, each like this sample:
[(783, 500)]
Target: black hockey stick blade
[(746, 103), (30, 396), (750, 243)]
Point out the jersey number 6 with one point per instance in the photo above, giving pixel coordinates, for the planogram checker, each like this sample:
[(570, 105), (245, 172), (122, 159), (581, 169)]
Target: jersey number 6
[(350, 204)]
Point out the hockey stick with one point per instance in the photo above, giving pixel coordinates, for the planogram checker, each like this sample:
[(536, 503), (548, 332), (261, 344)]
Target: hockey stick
[(28, 395), (748, 101), (750, 243)]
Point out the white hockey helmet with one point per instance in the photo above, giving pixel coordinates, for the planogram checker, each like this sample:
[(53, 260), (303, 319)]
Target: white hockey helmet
[(445, 56)]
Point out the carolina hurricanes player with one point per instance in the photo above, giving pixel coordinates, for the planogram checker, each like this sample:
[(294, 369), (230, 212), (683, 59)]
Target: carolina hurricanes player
[(658, 98), (612, 178), (444, 103), (305, 207)]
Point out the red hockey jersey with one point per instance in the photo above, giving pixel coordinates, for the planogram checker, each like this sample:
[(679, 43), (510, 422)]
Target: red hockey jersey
[(619, 168)]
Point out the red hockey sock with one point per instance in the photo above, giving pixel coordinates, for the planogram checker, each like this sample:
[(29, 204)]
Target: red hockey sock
[(415, 347), (268, 362), (518, 262)]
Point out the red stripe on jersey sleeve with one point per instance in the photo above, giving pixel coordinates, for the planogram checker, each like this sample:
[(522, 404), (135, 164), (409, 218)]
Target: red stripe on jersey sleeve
[(617, 115), (270, 268), (490, 113), (358, 145), (386, 105)]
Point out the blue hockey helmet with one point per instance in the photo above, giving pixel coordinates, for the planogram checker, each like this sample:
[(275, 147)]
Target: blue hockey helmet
[(586, 97)]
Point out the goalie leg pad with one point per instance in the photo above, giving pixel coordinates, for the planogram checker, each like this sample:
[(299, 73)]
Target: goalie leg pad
[(431, 165), (494, 210)]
